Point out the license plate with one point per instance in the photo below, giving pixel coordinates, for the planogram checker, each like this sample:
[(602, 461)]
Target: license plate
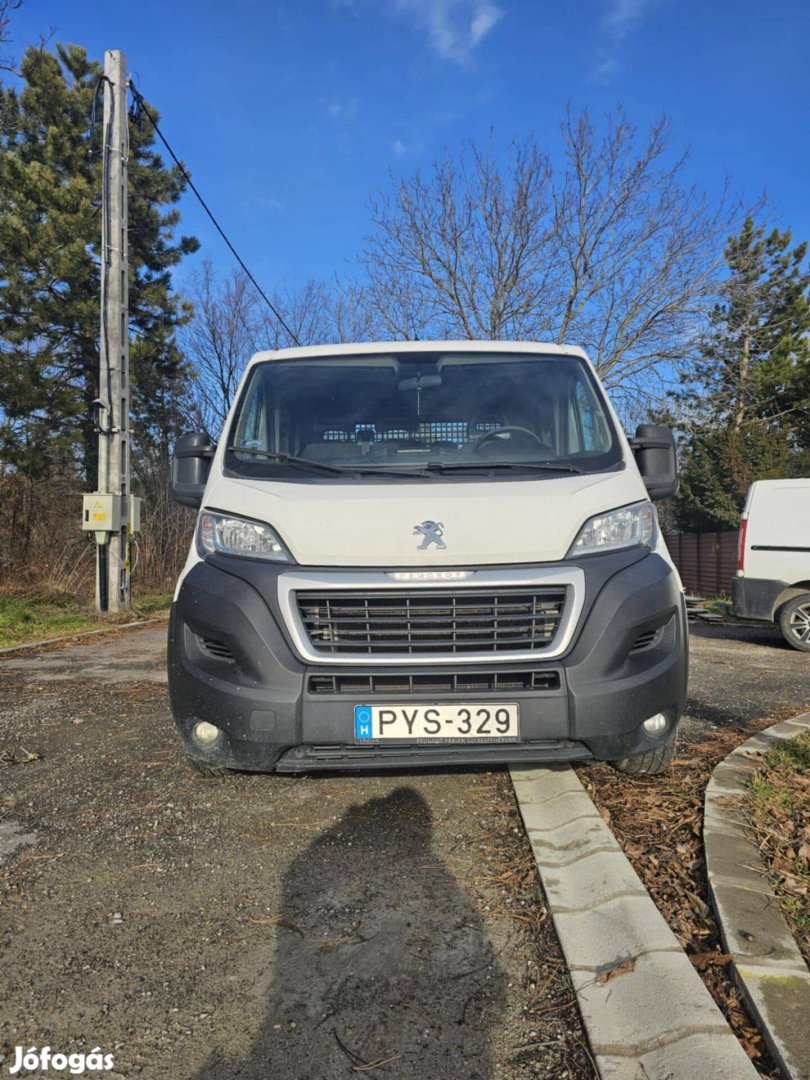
[(444, 722)]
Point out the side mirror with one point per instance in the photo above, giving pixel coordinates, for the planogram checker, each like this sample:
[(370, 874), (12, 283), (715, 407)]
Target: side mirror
[(654, 450), (191, 463)]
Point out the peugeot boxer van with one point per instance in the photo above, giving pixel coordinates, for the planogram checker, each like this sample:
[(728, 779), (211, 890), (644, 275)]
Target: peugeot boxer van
[(426, 553), (773, 561)]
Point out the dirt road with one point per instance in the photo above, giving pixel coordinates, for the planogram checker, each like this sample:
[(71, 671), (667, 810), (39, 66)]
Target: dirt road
[(288, 927)]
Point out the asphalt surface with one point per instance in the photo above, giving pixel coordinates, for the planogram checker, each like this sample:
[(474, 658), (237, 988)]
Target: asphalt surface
[(741, 672), (263, 926)]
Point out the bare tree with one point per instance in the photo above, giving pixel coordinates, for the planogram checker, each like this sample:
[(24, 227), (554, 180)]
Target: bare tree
[(231, 322), (641, 254), (465, 252), (218, 341), (309, 311), (612, 251), (6, 7)]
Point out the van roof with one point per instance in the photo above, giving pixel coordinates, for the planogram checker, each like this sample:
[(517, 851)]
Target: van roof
[(402, 347), (776, 485)]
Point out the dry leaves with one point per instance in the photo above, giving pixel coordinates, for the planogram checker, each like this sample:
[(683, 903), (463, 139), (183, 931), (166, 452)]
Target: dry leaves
[(624, 968), (20, 756), (658, 820)]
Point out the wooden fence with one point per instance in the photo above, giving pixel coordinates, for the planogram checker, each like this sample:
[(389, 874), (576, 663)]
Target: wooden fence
[(707, 562)]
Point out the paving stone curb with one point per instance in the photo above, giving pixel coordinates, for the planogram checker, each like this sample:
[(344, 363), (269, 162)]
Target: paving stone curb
[(768, 967), (655, 1019)]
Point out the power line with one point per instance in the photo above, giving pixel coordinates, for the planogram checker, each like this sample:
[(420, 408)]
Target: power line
[(142, 106)]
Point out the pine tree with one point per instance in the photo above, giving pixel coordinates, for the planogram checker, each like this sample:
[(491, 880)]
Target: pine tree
[(748, 397), (50, 231)]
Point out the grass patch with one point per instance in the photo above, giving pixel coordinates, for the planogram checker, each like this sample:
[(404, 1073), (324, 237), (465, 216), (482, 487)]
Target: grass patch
[(153, 603), (779, 810), (26, 619)]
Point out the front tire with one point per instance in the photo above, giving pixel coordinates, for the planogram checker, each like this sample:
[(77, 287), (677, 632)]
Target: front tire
[(202, 769), (650, 762), (794, 622)]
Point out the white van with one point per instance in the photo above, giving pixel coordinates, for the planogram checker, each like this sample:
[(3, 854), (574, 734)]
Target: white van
[(773, 562), (426, 553)]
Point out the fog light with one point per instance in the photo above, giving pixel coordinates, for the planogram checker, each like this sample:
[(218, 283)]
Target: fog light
[(656, 724), (207, 733)]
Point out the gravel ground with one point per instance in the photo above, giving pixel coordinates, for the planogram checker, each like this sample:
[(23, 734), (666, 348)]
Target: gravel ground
[(289, 927), (257, 926)]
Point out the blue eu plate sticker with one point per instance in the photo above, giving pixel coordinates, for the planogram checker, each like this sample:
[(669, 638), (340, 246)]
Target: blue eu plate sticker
[(362, 722)]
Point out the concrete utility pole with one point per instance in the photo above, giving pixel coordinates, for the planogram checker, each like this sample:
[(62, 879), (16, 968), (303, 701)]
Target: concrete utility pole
[(111, 512)]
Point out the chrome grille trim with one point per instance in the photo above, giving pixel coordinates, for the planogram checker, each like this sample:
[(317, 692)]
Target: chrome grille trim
[(441, 620), (571, 579)]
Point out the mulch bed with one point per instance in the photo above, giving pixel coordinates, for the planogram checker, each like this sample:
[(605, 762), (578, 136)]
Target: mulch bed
[(658, 821)]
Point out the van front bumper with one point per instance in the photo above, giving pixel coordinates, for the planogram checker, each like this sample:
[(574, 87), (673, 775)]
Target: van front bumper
[(233, 664)]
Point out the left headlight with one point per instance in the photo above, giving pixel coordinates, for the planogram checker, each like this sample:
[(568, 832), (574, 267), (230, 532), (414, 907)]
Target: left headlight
[(227, 535), (623, 528)]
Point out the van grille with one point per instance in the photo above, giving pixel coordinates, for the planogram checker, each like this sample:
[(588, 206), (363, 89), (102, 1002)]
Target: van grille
[(440, 682), (427, 621)]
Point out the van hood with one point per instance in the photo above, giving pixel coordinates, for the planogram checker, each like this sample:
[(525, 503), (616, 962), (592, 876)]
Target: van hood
[(427, 523)]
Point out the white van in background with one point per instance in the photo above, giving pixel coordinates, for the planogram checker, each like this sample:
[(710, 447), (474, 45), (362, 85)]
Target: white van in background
[(773, 564), (426, 553)]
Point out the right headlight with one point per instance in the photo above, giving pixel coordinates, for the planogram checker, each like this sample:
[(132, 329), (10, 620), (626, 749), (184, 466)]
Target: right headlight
[(226, 534), (616, 529)]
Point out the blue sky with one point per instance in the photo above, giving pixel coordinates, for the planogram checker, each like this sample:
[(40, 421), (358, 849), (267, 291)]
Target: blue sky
[(291, 115)]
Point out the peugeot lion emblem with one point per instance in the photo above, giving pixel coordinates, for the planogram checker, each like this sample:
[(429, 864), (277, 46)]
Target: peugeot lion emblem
[(431, 533)]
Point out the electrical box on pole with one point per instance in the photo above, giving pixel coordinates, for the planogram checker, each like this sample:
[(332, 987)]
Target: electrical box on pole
[(112, 513)]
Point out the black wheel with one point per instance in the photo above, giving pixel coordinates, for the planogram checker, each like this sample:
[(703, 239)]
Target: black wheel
[(794, 622), (206, 770), (650, 762)]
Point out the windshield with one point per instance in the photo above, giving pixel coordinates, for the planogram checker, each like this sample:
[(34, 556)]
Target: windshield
[(421, 415)]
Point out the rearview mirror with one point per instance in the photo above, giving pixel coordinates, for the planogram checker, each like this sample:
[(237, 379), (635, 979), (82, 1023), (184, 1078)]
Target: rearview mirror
[(421, 382), (657, 460), (191, 463)]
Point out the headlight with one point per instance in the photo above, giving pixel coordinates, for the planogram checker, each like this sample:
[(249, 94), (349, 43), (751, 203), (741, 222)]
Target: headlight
[(627, 527), (226, 535)]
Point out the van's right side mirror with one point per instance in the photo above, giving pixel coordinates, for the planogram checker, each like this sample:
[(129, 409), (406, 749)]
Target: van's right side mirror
[(657, 460), (191, 463)]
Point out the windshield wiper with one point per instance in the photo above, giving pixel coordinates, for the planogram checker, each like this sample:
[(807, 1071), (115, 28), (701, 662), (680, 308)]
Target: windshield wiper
[(455, 466), (287, 459), (400, 474), (418, 473), (335, 470)]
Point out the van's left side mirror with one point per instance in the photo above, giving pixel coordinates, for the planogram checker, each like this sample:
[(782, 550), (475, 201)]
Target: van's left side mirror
[(657, 460), (191, 463)]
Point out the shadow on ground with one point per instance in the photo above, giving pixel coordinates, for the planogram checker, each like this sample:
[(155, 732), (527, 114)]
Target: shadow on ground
[(380, 956), (764, 634)]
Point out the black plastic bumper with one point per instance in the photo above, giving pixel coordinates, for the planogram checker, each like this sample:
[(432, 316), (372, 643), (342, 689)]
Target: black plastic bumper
[(756, 598), (259, 693)]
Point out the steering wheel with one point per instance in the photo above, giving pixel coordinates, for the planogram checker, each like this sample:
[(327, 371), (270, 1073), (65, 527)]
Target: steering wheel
[(490, 436)]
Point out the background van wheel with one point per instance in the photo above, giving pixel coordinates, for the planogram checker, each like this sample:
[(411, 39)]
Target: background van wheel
[(206, 770), (794, 622), (650, 762)]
